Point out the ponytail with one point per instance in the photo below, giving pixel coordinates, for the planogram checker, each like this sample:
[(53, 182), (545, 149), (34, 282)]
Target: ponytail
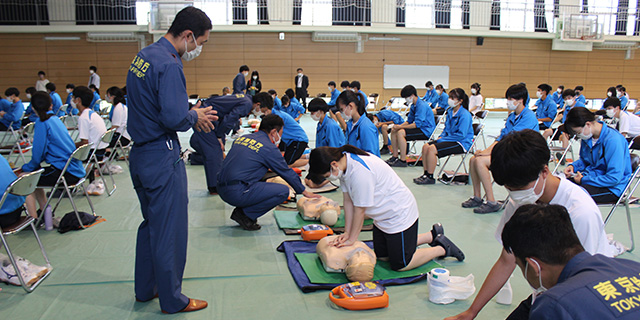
[(459, 94), (347, 97), (320, 160)]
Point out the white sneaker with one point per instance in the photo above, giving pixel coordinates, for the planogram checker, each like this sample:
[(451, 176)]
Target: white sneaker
[(31, 273), (619, 248), (115, 169)]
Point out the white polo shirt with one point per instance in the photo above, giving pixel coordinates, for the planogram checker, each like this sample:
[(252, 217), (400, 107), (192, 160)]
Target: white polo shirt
[(91, 127), (119, 119), (585, 216), (372, 184), (629, 123)]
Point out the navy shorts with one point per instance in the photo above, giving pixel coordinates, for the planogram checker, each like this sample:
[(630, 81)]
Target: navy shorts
[(398, 247), (447, 148), (415, 134)]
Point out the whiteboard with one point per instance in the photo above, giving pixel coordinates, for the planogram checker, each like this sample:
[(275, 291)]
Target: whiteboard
[(398, 76)]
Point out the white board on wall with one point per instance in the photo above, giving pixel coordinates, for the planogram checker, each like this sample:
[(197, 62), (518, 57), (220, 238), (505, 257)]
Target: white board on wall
[(398, 76)]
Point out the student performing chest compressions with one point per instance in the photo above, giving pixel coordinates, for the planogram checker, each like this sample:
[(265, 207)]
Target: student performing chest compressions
[(370, 187), (211, 144), (249, 159)]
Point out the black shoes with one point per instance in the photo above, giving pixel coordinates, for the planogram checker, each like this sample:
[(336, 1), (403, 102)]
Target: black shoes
[(449, 247), (245, 222), (384, 150), (436, 230)]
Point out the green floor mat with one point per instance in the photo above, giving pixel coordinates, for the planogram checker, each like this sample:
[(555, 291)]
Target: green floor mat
[(293, 220), (312, 266)]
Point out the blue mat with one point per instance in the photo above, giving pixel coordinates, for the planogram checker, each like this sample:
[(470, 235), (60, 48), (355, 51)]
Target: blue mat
[(290, 248)]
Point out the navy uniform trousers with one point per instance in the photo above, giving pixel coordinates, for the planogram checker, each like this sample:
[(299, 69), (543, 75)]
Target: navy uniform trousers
[(255, 199), (160, 180), (208, 146)]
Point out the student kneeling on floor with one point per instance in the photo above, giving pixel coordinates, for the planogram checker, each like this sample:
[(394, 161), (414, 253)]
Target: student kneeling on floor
[(249, 159), (370, 187)]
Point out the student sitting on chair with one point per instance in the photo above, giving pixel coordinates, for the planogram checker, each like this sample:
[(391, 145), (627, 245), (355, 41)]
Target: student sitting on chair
[(456, 137), (621, 93), (520, 163), (71, 107), (570, 102), (557, 98), (604, 167), (547, 107), (430, 95), (440, 102), (611, 93), (52, 145), (294, 138), (293, 107), (476, 102), (11, 115), (55, 99), (355, 87), (118, 117), (382, 120), (519, 119), (579, 96), (277, 103), (334, 94), (371, 188), (30, 114), (95, 106), (361, 132), (328, 132), (419, 126), (569, 282), (629, 123), (249, 159), (91, 127), (12, 208)]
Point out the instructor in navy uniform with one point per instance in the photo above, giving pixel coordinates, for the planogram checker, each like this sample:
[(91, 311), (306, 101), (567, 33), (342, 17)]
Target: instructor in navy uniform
[(158, 108)]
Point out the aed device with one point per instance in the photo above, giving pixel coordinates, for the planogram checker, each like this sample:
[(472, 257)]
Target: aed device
[(314, 232), (360, 296)]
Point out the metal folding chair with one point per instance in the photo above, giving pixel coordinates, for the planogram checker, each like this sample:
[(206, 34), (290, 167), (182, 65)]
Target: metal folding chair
[(439, 126), (477, 131), (481, 118), (23, 186), (22, 144), (106, 161)]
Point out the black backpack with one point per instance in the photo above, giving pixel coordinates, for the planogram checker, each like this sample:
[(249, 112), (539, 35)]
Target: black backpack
[(70, 222)]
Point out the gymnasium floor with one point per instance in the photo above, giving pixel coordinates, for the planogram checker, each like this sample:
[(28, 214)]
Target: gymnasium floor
[(238, 272)]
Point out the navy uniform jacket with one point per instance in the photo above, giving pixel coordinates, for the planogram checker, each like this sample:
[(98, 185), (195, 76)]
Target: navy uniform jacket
[(249, 159), (230, 110), (157, 100), (292, 131), (592, 287), (329, 133), (239, 86)]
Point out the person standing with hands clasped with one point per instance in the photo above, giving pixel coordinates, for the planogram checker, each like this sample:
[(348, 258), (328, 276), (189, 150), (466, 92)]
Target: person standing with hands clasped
[(158, 108)]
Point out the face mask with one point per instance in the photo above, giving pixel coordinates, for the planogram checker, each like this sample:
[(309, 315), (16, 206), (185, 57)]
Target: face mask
[(91, 71), (559, 90), (9, 99), (277, 142), (188, 56), (609, 94), (452, 103), (69, 91), (584, 136), (255, 77), (346, 116), (473, 91), (438, 92), (331, 177), (315, 116), (28, 96), (569, 102), (299, 74), (541, 289), (409, 100), (611, 113), (73, 103), (528, 196), (330, 89), (539, 94), (375, 122), (257, 112), (511, 105), (619, 94), (354, 90)]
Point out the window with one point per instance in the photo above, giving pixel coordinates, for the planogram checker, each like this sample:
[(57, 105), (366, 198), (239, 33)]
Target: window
[(105, 12), (351, 12), (24, 12), (239, 8), (400, 13), (443, 13)]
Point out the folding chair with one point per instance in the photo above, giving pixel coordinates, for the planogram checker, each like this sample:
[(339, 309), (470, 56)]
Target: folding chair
[(477, 131), (71, 122), (439, 126), (564, 151), (81, 153), (106, 161), (22, 144), (481, 117), (23, 186)]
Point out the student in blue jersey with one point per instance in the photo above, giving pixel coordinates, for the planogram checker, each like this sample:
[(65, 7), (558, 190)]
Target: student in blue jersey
[(71, 107), (557, 98), (334, 94), (419, 126), (568, 282), (579, 96), (519, 118), (55, 99), (355, 87), (430, 94), (277, 103), (604, 167), (30, 114), (360, 130), (344, 85), (95, 106), (239, 85), (382, 120), (371, 188), (440, 100), (328, 132), (456, 137), (294, 140), (547, 107), (12, 207), (621, 93), (570, 102), (52, 145), (11, 115), (293, 107), (249, 159)]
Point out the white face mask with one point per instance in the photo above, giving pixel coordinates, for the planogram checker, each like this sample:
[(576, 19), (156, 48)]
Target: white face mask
[(452, 103), (569, 102), (559, 90), (190, 55), (375, 122), (299, 74), (354, 90), (315, 116), (511, 105), (619, 94), (277, 142), (538, 94), (255, 77), (28, 96), (473, 91), (438, 92), (409, 100), (10, 99), (611, 113), (528, 196), (583, 135), (257, 112), (91, 72), (536, 291), (609, 94), (347, 116), (331, 177), (69, 91), (73, 103), (330, 90)]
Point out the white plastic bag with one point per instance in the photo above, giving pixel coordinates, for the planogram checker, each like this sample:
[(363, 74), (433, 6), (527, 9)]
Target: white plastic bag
[(445, 289)]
